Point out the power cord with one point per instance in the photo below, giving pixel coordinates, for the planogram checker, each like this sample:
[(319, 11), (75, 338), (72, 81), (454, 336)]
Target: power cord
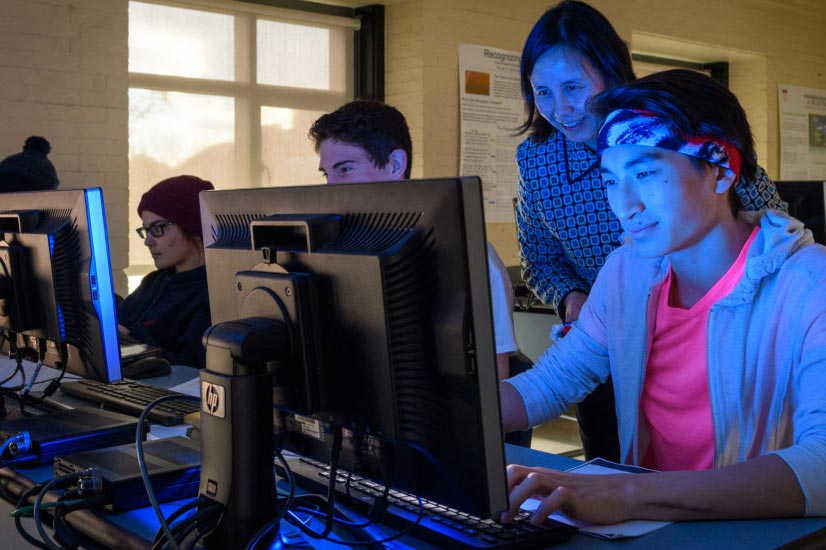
[(147, 483), (329, 502), (282, 511), (201, 523), (87, 493), (295, 520), (53, 383), (61, 480), (18, 523), (160, 536), (65, 534)]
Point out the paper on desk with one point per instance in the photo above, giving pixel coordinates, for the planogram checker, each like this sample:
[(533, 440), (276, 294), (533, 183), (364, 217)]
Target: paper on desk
[(190, 387), (626, 529)]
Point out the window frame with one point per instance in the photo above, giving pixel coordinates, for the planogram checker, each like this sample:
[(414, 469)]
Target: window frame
[(250, 96)]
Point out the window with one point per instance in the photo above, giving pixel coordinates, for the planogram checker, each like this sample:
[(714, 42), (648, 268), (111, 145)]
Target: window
[(227, 91), (645, 65)]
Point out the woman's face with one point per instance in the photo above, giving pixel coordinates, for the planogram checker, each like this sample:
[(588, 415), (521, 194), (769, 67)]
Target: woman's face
[(563, 81), (173, 248)]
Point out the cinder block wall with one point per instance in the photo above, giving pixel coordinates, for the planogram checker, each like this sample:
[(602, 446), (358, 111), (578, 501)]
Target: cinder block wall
[(63, 75)]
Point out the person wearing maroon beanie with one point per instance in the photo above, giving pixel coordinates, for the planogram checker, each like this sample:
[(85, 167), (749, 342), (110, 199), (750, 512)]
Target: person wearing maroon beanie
[(170, 308)]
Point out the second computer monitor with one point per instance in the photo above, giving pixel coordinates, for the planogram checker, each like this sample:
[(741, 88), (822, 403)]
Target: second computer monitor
[(807, 202), (57, 301), (387, 339)]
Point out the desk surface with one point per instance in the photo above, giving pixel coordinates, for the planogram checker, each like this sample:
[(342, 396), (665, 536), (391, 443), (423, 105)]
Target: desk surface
[(684, 535), (11, 540)]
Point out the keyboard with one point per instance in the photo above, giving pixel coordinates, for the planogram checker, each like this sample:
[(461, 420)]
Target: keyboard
[(131, 397), (440, 526)]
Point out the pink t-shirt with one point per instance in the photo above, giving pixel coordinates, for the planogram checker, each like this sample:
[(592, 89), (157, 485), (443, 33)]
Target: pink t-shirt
[(675, 402)]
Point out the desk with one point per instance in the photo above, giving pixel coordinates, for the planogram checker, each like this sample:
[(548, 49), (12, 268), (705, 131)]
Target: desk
[(701, 534), (687, 535), (731, 535), (112, 528)]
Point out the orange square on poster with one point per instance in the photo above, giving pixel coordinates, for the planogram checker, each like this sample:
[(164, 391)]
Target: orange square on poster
[(477, 82)]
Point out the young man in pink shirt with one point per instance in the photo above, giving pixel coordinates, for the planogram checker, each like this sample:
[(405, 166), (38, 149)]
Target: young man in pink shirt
[(711, 322)]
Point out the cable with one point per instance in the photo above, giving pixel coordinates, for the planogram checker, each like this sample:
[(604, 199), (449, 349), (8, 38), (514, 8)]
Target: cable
[(293, 518), (353, 525), (4, 491), (65, 534), (41, 355), (147, 483), (183, 509), (38, 502), (18, 368), (18, 524), (378, 505), (203, 521), (53, 382), (335, 449), (256, 538), (19, 442), (27, 511)]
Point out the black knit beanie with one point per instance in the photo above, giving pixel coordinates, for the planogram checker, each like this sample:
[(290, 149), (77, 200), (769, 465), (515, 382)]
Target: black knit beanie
[(30, 170)]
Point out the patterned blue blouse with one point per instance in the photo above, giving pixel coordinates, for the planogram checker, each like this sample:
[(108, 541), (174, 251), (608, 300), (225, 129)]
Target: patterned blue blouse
[(566, 227)]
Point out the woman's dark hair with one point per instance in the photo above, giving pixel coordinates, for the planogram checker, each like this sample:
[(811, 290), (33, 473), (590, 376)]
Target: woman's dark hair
[(696, 104), (582, 29)]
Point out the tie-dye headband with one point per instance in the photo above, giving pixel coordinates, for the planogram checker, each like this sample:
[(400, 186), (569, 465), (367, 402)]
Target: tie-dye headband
[(636, 127)]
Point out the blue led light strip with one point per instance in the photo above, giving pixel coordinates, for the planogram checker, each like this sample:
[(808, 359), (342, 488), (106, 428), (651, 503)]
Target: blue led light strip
[(100, 281)]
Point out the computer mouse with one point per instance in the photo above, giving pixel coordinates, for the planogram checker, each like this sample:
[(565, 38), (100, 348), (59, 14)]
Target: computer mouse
[(148, 367)]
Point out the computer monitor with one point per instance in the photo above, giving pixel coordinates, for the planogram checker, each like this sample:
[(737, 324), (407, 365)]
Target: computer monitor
[(806, 200), (383, 327), (57, 300)]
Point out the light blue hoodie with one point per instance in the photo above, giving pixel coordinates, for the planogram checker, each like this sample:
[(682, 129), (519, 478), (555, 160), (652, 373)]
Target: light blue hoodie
[(766, 354)]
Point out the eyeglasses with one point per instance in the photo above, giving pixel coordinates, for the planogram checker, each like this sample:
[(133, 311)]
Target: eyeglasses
[(155, 229)]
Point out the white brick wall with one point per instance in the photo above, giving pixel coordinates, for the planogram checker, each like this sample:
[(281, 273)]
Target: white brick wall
[(63, 75)]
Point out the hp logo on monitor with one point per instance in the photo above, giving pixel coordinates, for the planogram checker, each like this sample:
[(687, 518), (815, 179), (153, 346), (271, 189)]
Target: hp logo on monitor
[(212, 399)]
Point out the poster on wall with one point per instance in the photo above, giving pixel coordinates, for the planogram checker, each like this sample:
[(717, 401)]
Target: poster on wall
[(802, 132), (490, 112)]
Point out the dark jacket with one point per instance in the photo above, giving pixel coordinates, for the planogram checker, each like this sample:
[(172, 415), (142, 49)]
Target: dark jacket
[(171, 311)]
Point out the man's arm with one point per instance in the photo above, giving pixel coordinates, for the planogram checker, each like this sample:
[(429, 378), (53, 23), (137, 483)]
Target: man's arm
[(503, 366), (514, 415), (763, 487)]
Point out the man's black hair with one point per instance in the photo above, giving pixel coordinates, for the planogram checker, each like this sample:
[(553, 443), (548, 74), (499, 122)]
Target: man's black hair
[(376, 127), (696, 104)]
